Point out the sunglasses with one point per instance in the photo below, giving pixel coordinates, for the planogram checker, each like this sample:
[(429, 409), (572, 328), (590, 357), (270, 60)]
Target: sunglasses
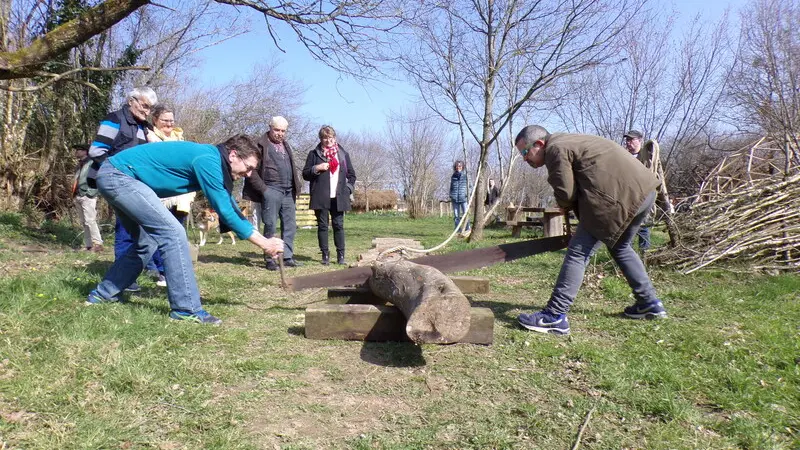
[(524, 151)]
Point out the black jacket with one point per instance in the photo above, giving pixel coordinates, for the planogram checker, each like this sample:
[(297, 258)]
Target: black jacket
[(267, 172), (321, 182)]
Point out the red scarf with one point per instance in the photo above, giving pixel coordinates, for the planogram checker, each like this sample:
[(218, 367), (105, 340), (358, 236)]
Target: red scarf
[(330, 154)]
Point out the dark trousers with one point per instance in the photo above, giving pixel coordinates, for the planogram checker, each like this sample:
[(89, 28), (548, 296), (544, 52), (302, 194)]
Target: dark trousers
[(123, 241), (280, 205), (337, 217)]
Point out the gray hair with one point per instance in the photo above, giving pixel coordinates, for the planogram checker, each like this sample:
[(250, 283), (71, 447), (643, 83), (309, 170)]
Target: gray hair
[(143, 92), (162, 108), (531, 134), (278, 121)]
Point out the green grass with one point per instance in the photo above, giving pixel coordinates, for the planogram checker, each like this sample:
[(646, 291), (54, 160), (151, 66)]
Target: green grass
[(722, 372)]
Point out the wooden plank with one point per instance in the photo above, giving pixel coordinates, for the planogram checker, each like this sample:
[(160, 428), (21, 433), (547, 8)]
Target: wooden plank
[(382, 323), (471, 285), (392, 242), (361, 295), (525, 223), (449, 262)]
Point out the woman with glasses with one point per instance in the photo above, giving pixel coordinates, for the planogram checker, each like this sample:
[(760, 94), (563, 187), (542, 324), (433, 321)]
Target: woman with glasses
[(180, 205), (164, 122)]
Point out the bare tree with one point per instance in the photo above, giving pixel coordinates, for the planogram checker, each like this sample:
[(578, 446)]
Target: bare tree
[(42, 118), (766, 85), (417, 145), (245, 106), (670, 91), (347, 35), (459, 53), (369, 157)]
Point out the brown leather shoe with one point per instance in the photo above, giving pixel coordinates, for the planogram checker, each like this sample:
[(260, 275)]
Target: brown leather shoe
[(97, 248)]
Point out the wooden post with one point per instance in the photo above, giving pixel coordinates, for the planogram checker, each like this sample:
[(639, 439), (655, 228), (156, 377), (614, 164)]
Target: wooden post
[(553, 224)]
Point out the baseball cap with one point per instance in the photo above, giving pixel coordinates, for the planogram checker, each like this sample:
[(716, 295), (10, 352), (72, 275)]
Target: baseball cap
[(633, 134)]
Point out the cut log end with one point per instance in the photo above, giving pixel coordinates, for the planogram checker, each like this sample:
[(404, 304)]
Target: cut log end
[(436, 310)]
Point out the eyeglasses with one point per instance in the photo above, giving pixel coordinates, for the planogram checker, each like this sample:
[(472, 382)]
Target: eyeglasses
[(247, 167), (166, 121), (143, 105), (524, 151)]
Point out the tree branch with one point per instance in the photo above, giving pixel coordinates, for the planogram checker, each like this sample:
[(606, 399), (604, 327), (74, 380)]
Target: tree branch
[(25, 62), (63, 76)]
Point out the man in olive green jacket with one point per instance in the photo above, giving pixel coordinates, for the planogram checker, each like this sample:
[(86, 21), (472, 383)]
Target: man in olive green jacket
[(611, 194)]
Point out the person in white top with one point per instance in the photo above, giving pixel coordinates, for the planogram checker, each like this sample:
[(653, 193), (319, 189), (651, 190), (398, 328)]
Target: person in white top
[(332, 182)]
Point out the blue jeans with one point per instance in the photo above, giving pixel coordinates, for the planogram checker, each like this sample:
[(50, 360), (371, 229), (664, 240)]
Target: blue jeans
[(279, 204), (581, 248), (123, 241), (152, 227), (459, 209), (644, 237)]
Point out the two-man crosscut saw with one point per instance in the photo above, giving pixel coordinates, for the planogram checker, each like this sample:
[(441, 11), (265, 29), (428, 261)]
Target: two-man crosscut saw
[(449, 262)]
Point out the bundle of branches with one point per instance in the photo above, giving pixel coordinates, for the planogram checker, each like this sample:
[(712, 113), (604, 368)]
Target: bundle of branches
[(757, 224)]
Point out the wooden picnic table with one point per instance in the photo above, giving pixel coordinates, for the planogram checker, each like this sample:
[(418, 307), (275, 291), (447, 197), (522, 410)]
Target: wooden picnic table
[(552, 220)]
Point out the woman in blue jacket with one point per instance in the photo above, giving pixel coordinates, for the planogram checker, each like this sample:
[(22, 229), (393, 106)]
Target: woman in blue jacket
[(459, 193)]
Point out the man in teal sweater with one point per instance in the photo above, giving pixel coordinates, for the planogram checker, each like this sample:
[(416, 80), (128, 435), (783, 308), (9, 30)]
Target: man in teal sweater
[(133, 182)]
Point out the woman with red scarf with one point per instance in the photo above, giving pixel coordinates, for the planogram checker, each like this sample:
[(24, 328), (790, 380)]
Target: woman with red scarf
[(332, 180)]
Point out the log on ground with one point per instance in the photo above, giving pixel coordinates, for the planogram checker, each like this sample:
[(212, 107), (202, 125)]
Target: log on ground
[(364, 295), (436, 310)]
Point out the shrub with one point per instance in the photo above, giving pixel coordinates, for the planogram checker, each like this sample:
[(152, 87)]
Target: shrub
[(378, 200)]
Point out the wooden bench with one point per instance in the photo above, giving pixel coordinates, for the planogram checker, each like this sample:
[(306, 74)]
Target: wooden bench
[(552, 220), (304, 217)]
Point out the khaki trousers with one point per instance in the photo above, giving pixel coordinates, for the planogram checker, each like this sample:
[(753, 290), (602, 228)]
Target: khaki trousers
[(88, 217)]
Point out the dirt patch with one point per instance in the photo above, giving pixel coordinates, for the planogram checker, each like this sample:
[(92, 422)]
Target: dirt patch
[(328, 406)]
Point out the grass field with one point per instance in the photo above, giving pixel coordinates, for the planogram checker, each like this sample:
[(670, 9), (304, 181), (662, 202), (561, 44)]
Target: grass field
[(722, 372)]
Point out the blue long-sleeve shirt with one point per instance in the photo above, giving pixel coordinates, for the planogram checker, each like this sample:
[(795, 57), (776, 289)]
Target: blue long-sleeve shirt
[(178, 167)]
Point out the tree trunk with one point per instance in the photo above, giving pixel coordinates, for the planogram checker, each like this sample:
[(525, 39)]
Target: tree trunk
[(18, 176), (436, 310)]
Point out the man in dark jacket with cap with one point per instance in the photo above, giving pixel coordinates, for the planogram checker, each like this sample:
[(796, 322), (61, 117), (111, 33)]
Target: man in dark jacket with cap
[(611, 194), (633, 144)]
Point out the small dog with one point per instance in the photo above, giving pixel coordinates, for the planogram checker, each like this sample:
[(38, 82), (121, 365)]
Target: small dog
[(209, 220)]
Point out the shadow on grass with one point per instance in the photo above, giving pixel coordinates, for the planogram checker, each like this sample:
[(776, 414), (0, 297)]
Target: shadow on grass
[(392, 354), (98, 267), (238, 260), (501, 310), (48, 232), (279, 308)]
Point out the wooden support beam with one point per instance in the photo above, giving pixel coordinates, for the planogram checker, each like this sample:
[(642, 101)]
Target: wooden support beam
[(382, 244), (382, 323)]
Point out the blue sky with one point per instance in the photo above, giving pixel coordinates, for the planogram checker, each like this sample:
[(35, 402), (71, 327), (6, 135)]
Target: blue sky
[(341, 102)]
